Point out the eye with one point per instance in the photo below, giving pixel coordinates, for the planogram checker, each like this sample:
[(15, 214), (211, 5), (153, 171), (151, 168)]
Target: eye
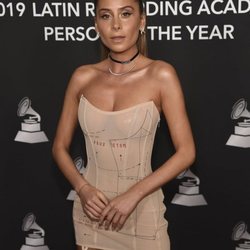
[(126, 14), (105, 16)]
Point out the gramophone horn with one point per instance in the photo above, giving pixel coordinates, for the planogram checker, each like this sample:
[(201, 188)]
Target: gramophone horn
[(78, 163), (28, 220), (182, 174), (240, 109), (24, 107), (240, 232), (29, 223)]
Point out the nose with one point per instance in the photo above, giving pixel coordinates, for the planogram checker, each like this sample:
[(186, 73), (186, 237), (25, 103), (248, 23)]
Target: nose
[(116, 23)]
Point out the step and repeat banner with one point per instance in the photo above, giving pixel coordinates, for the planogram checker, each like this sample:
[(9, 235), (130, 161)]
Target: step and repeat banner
[(207, 41)]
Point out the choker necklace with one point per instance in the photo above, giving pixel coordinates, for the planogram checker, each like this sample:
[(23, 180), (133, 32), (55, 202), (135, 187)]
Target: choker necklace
[(124, 62), (120, 74)]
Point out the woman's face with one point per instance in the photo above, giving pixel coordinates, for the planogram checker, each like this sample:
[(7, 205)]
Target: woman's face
[(118, 23)]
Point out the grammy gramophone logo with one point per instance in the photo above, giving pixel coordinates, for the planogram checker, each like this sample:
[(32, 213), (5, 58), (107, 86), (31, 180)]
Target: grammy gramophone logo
[(34, 239), (79, 163), (189, 191), (30, 127), (241, 236), (241, 136)]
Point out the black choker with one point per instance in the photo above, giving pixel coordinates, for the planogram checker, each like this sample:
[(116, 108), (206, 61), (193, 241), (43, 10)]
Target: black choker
[(124, 62)]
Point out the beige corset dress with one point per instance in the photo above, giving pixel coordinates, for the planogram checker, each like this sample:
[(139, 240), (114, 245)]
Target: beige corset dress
[(119, 147)]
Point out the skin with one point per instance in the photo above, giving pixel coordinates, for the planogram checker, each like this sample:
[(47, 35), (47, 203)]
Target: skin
[(149, 80)]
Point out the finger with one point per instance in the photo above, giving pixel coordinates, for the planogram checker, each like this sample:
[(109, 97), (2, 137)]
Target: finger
[(121, 222), (104, 213), (103, 198), (109, 218), (99, 203), (92, 211), (91, 216), (115, 220), (96, 207)]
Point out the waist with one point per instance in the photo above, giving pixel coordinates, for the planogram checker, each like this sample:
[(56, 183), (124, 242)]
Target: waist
[(115, 181)]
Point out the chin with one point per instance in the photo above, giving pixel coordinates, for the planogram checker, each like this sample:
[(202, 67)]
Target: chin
[(120, 48)]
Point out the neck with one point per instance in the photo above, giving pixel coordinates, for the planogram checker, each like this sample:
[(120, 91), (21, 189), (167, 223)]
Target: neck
[(125, 55), (124, 62), (122, 56)]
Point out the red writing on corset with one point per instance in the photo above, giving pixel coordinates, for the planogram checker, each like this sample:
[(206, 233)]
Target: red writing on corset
[(118, 145), (99, 143), (113, 145)]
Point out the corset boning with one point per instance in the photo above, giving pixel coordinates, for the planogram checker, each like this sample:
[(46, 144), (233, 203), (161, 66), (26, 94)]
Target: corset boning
[(119, 147)]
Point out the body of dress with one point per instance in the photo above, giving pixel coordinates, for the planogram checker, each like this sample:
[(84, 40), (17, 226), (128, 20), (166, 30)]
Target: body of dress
[(119, 147)]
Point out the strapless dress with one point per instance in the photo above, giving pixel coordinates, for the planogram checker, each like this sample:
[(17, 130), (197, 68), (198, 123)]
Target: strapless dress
[(119, 148)]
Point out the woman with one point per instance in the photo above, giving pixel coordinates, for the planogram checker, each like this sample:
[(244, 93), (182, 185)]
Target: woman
[(119, 205)]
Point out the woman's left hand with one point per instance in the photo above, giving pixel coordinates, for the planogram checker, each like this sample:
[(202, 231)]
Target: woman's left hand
[(118, 210)]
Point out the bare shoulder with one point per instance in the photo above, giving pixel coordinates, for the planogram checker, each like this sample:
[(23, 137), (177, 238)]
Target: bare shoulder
[(82, 76), (166, 79), (163, 71), (165, 75)]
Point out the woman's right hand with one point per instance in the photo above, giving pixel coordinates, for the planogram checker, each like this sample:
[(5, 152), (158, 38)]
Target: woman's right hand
[(93, 201)]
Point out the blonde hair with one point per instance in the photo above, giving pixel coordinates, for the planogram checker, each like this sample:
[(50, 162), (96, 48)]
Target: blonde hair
[(142, 38)]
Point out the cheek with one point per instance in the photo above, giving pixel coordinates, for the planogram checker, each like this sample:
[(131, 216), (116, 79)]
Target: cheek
[(132, 24), (103, 27), (131, 28), (134, 34)]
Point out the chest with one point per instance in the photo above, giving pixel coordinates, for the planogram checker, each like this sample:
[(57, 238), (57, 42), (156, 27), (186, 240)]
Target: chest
[(114, 96), (136, 121)]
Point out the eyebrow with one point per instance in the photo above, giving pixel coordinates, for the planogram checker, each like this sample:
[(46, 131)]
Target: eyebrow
[(124, 7)]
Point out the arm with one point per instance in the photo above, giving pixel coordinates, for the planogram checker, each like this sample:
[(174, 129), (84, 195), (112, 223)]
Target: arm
[(93, 201), (65, 131), (173, 106)]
